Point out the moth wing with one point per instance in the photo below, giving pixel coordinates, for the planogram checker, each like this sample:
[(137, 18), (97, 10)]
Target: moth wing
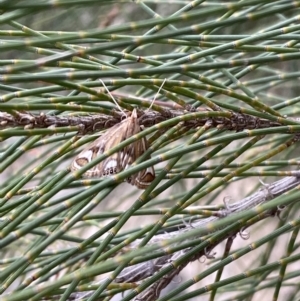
[(121, 159), (110, 165), (143, 178), (128, 153)]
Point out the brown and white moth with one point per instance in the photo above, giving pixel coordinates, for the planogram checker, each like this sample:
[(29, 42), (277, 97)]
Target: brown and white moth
[(121, 159)]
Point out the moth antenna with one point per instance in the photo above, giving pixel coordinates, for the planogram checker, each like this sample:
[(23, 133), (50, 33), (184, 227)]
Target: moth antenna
[(152, 102), (116, 103)]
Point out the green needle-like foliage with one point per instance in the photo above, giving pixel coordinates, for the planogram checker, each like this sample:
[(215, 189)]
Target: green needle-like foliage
[(215, 85)]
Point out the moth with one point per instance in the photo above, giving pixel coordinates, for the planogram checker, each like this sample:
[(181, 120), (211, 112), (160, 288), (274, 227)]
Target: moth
[(121, 159)]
